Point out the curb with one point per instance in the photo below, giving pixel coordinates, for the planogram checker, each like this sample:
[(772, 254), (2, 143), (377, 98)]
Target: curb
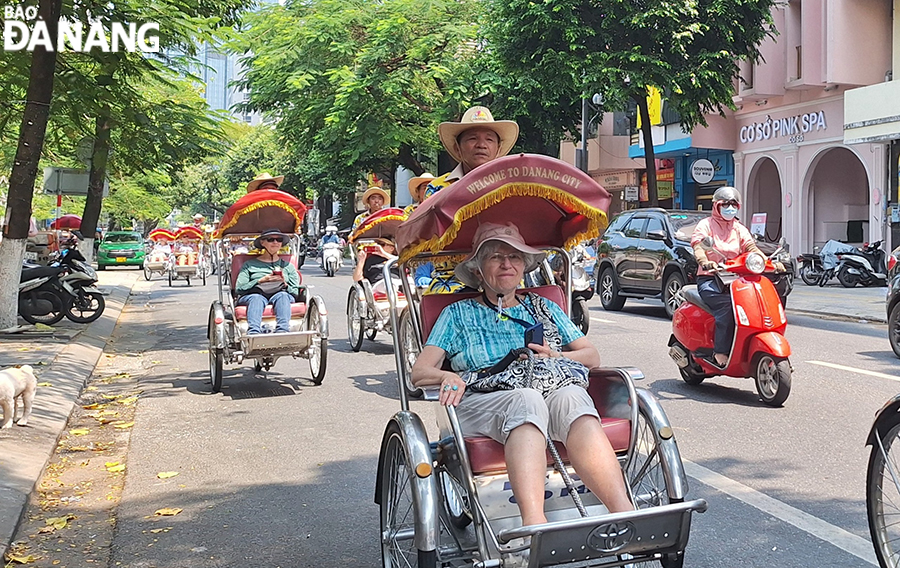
[(68, 373), (838, 317)]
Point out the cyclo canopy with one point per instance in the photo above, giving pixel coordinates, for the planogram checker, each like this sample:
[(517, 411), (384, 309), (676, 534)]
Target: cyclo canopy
[(552, 203), (260, 210), (381, 224)]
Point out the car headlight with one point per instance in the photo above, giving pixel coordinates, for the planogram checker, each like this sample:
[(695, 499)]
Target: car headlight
[(755, 263)]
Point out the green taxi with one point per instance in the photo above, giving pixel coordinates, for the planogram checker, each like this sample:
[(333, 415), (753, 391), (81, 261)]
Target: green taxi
[(121, 248)]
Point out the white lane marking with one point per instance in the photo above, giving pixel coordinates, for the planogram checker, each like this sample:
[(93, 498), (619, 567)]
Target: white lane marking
[(602, 320), (855, 370), (846, 541)]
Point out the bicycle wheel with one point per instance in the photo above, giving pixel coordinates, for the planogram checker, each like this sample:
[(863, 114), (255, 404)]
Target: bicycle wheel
[(883, 494)]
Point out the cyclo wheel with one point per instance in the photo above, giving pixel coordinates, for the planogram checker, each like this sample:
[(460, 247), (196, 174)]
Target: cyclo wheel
[(318, 349), (409, 341), (398, 521), (216, 356), (355, 326), (148, 274), (883, 493), (647, 481)]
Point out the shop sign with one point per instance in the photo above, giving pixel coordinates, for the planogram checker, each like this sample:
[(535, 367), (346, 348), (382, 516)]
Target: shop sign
[(794, 127), (631, 193), (617, 180), (758, 224), (702, 171), (665, 184)]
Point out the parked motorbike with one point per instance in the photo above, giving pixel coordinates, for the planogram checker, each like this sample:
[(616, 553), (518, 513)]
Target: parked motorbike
[(810, 267), (831, 259), (759, 348), (864, 266), (582, 291), (38, 302), (331, 258), (71, 283)]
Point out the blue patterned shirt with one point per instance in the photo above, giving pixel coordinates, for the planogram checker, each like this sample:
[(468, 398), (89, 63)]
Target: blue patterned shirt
[(473, 339)]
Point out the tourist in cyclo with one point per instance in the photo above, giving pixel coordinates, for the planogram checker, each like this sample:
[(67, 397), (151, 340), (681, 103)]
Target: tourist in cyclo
[(473, 141), (268, 279), (476, 333), (417, 187)]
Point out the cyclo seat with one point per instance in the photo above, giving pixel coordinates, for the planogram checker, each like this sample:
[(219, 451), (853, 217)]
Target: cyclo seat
[(693, 296), (298, 308), (487, 455)]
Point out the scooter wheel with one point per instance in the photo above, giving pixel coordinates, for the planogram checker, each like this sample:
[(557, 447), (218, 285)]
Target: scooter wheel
[(773, 378), (691, 377)]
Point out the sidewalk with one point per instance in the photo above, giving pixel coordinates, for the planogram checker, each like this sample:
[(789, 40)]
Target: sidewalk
[(836, 301), (66, 361)]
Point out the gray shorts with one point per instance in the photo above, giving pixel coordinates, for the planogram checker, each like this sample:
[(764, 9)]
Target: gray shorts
[(495, 414)]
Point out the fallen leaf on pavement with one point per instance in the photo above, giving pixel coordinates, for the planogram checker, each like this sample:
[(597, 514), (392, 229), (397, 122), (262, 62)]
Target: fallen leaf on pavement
[(115, 467), (123, 425), (79, 431), (162, 530), (166, 474), (45, 384), (203, 351), (22, 559), (168, 512), (60, 522)]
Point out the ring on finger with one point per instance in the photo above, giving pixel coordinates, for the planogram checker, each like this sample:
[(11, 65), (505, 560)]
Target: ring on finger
[(455, 387), (446, 387)]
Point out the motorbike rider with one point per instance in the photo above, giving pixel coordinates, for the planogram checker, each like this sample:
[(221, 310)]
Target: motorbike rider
[(730, 239), (330, 236)]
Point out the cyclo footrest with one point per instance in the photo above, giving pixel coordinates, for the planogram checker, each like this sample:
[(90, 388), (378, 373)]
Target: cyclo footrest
[(656, 530), (276, 343)]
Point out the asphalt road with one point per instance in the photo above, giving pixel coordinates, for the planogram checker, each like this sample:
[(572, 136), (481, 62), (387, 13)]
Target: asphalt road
[(274, 471)]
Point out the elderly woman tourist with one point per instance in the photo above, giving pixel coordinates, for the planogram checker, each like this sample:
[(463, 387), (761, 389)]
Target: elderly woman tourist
[(552, 400)]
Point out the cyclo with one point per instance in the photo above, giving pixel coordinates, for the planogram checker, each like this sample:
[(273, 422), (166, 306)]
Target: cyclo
[(229, 341), (446, 502), (158, 260), (368, 308), (186, 256)]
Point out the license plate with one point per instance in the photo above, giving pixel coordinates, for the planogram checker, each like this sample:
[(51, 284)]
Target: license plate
[(31, 256), (120, 259)]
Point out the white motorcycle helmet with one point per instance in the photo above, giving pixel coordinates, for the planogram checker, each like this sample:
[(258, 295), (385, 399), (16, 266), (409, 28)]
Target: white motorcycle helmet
[(330, 229)]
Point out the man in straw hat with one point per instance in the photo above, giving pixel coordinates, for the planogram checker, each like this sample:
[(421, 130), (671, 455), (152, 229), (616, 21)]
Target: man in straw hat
[(265, 180), (473, 141), (374, 199), (417, 187)]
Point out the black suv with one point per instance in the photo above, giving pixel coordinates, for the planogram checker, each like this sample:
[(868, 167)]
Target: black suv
[(647, 253)]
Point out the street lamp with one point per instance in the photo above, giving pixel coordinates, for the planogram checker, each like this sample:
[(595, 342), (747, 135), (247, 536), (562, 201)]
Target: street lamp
[(581, 154)]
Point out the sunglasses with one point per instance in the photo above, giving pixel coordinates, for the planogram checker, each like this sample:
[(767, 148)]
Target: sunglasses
[(272, 240), (731, 203)]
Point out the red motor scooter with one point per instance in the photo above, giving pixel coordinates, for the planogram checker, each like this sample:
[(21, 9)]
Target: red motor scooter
[(759, 348)]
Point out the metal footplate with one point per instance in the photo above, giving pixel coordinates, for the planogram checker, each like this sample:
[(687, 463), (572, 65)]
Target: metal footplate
[(641, 534), (276, 343)]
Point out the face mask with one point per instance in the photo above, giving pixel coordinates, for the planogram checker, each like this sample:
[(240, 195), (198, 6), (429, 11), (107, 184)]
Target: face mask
[(729, 213)]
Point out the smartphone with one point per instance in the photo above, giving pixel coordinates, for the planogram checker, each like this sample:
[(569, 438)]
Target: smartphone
[(371, 248), (534, 334)]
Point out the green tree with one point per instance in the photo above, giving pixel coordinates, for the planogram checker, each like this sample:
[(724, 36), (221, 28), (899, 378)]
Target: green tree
[(357, 85), (689, 49)]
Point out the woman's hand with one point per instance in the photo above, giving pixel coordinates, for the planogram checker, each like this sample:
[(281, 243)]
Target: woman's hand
[(543, 351), (452, 389), (361, 256), (272, 278)]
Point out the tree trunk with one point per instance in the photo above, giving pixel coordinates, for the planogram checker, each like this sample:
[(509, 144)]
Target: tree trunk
[(94, 202), (25, 166), (408, 160), (649, 155)]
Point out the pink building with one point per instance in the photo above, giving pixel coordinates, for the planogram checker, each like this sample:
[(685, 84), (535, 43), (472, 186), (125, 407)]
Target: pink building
[(792, 157)]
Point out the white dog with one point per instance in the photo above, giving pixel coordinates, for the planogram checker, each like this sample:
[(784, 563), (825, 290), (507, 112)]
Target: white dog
[(16, 382)]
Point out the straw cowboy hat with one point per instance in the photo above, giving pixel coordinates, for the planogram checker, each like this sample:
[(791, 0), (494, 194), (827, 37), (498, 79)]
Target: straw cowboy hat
[(257, 242), (261, 178), (414, 184), (198, 216), (478, 116), (375, 191), (465, 271)]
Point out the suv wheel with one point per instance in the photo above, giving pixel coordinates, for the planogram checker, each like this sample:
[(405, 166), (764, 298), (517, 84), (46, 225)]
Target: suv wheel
[(609, 291), (672, 295)]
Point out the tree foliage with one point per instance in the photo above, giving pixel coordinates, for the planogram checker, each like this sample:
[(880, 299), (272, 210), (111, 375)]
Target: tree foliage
[(689, 49), (361, 85)]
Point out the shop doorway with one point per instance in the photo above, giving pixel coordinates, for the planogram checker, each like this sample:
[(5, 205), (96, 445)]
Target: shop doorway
[(764, 196), (837, 198)]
